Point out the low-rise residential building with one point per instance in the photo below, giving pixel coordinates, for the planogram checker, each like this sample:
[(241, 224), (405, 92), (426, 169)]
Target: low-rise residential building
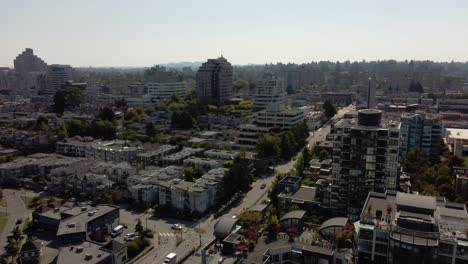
[(221, 154), (30, 252), (179, 157), (39, 164), (399, 227), (174, 193), (304, 198), (115, 150), (153, 156), (203, 164)]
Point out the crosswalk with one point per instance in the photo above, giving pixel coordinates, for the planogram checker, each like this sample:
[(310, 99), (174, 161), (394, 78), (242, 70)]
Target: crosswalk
[(166, 234)]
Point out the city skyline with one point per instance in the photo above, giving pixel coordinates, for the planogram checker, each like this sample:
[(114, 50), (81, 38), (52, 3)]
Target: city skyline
[(122, 34)]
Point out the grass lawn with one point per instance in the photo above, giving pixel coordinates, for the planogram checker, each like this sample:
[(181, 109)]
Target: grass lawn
[(465, 161), (3, 203), (3, 220), (26, 200)]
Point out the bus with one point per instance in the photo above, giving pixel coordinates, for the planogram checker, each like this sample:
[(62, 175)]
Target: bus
[(117, 230), (170, 259)]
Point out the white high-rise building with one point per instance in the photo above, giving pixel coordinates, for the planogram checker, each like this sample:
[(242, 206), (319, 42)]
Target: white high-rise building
[(164, 90), (57, 76), (270, 90)]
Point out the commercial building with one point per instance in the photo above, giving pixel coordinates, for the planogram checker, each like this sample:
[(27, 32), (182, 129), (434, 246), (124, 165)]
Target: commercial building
[(78, 223), (269, 90), (27, 62), (398, 227), (214, 80), (90, 252), (57, 76), (164, 90), (420, 131), (365, 158)]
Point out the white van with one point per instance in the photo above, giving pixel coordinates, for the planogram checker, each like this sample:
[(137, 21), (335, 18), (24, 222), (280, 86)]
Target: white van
[(117, 230), (171, 258)]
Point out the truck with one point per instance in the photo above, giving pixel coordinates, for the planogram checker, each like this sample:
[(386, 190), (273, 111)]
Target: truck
[(171, 258), (117, 230)]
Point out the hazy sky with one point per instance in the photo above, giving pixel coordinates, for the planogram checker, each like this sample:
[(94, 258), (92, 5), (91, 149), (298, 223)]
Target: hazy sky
[(147, 32)]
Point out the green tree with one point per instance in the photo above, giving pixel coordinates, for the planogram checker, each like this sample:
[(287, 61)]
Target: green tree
[(74, 127), (324, 154), (269, 146), (106, 113), (104, 129), (178, 139), (190, 174), (329, 109), (151, 130), (241, 85), (182, 120), (299, 166), (138, 226), (306, 154), (190, 95), (59, 102), (42, 123), (248, 219), (175, 98)]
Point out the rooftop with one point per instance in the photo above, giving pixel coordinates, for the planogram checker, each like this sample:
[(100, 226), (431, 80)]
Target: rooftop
[(457, 133), (86, 252), (77, 223)]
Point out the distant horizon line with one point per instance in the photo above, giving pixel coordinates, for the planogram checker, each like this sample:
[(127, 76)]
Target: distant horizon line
[(196, 63)]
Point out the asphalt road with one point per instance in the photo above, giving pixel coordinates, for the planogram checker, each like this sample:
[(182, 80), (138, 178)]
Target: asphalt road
[(16, 209)]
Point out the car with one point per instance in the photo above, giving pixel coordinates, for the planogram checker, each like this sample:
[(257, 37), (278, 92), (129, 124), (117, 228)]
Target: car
[(19, 221), (130, 236), (263, 186), (72, 200), (177, 226)]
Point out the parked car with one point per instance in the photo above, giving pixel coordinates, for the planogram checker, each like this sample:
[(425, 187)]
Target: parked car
[(177, 227), (263, 186)]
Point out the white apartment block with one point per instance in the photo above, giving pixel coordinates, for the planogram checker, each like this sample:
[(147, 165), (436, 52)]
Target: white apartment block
[(164, 90), (203, 164), (269, 90), (190, 197), (285, 119), (221, 154), (115, 150)]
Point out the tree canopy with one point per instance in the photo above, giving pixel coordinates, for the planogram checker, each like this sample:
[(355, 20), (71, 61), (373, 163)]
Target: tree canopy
[(329, 108)]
